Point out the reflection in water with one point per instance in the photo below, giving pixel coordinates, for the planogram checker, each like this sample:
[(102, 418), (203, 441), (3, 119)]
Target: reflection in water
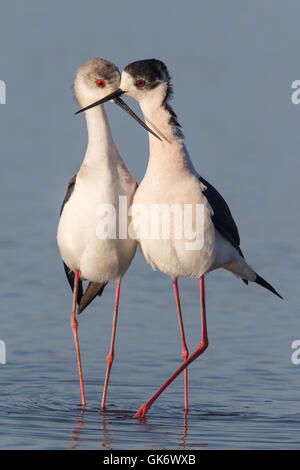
[(184, 432), (74, 433), (107, 433)]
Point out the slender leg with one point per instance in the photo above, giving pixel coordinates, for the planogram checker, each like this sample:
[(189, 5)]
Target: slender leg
[(200, 349), (74, 326), (110, 357), (184, 352)]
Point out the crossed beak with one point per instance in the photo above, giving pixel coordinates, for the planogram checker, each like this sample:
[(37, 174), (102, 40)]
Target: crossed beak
[(115, 96)]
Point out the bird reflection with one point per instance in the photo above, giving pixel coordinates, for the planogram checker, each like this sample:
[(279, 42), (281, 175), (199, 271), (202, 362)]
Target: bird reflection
[(107, 433), (107, 438), (184, 431), (75, 432)]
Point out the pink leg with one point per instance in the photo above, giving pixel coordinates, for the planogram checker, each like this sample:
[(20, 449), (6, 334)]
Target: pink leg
[(184, 352), (110, 357), (74, 326), (200, 349)]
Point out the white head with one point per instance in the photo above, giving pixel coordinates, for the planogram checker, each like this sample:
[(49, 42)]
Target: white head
[(94, 80)]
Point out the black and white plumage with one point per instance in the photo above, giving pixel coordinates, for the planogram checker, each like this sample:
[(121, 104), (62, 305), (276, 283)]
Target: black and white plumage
[(102, 178), (172, 181), (87, 253), (84, 298), (170, 167)]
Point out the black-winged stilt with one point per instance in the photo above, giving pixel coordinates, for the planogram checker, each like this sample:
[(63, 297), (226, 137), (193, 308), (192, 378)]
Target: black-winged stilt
[(171, 179), (101, 179)]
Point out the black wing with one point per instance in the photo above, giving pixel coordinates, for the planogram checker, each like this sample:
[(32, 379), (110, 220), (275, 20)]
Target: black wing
[(222, 218), (70, 276), (224, 223), (94, 288), (70, 189)]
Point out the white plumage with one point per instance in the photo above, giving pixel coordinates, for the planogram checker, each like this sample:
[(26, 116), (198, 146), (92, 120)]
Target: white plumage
[(171, 180), (102, 178)]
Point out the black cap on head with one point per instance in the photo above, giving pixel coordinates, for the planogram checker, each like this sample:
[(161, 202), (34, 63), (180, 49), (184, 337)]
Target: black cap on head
[(148, 69), (153, 71)]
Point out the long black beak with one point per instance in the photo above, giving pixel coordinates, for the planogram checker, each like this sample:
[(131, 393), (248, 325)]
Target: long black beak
[(113, 95), (128, 110), (116, 97)]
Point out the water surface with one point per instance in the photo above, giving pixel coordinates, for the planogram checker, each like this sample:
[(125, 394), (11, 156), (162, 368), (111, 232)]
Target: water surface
[(232, 94)]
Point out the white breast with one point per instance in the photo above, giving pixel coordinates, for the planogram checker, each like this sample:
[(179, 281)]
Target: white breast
[(173, 256), (80, 246)]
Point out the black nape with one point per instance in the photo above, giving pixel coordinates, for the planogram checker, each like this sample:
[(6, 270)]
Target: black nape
[(154, 72)]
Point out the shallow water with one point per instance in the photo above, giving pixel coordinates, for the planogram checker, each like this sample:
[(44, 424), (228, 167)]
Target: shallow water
[(244, 390)]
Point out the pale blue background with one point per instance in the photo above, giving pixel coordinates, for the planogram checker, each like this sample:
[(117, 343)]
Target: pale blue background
[(232, 64)]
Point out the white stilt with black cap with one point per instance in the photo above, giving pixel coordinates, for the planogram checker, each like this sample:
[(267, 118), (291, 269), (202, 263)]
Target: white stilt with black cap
[(171, 179)]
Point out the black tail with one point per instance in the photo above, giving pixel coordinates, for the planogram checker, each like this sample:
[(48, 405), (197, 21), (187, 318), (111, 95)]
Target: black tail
[(93, 289), (259, 280), (71, 276), (84, 298)]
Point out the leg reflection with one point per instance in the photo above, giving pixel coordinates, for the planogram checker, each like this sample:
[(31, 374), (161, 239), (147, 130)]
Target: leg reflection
[(107, 433), (184, 432), (75, 432)]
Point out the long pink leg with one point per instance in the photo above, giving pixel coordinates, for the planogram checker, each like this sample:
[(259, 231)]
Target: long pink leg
[(110, 357), (200, 349), (184, 352), (74, 326)]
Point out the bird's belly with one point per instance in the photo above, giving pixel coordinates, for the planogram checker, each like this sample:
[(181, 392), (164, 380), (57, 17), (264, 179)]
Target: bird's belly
[(179, 238), (106, 260), (181, 247), (82, 246), (173, 258)]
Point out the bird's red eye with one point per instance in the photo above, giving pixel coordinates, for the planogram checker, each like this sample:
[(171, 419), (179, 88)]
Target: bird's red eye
[(100, 83), (140, 83)]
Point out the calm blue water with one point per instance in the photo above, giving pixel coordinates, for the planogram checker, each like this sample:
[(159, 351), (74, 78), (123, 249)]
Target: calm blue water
[(232, 93)]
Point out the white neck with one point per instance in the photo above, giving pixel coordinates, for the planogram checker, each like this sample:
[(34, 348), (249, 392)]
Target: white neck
[(101, 146), (170, 152)]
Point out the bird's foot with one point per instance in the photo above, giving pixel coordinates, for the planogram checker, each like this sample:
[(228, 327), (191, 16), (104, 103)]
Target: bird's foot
[(141, 413)]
